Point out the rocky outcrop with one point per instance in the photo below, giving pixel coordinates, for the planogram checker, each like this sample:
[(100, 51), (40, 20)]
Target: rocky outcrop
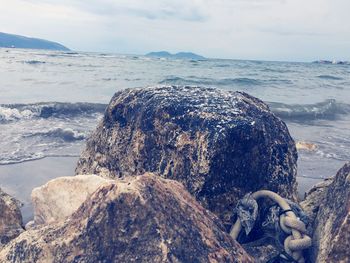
[(10, 218), (60, 197), (329, 205), (219, 144), (138, 219)]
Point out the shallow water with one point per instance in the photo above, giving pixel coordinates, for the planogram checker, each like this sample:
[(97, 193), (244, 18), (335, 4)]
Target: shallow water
[(313, 99), (19, 179)]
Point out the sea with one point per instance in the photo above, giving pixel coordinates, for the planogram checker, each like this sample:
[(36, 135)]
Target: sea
[(50, 101)]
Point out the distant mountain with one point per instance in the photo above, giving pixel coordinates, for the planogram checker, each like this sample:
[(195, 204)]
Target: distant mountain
[(180, 55), (16, 41)]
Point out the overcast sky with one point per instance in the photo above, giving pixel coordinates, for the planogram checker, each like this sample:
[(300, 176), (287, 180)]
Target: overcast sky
[(294, 30)]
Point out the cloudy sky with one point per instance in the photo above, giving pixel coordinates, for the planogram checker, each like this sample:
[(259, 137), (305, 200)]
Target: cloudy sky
[(294, 30)]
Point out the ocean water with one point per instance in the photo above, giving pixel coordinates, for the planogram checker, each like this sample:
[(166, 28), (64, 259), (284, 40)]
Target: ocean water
[(50, 101)]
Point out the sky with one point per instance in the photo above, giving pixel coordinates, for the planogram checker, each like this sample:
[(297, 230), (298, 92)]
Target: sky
[(286, 30)]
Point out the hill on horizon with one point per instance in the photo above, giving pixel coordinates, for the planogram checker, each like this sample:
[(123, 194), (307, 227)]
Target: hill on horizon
[(17, 41), (180, 55)]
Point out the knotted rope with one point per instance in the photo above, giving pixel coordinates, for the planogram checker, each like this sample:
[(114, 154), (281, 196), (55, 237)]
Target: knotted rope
[(297, 239)]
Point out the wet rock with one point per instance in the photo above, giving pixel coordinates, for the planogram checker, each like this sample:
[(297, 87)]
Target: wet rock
[(138, 219), (219, 144), (10, 218), (314, 198), (60, 197), (330, 206)]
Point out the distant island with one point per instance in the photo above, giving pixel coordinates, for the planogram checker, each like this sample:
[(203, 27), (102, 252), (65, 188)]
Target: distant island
[(16, 41), (180, 55)]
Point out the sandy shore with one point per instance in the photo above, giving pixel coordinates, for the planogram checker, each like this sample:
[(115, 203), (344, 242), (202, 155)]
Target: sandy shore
[(18, 180)]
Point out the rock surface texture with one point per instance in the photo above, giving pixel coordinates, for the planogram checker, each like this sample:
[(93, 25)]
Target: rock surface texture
[(331, 210), (60, 197), (219, 144), (138, 219), (10, 218)]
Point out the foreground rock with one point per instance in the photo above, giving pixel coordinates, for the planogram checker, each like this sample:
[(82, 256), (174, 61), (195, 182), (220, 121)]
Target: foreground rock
[(329, 205), (219, 144), (10, 218), (60, 197), (139, 219)]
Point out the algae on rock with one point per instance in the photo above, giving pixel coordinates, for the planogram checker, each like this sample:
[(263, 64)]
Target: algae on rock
[(219, 144)]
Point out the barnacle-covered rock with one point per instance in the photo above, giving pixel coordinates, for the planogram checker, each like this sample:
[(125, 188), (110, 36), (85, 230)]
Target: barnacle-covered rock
[(219, 144)]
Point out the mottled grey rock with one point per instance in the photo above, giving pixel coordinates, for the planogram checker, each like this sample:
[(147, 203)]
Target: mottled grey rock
[(314, 198), (138, 219), (10, 218), (219, 144), (329, 206)]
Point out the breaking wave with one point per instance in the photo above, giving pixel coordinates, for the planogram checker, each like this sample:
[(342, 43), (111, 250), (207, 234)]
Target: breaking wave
[(67, 134), (192, 80), (209, 81), (15, 112), (328, 109)]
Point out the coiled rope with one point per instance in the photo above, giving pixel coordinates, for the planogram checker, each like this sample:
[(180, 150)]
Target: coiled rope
[(297, 239)]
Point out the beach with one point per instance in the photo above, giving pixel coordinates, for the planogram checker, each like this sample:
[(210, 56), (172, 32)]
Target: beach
[(19, 179), (51, 101)]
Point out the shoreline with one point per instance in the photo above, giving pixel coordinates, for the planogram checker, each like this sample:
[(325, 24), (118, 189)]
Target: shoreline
[(18, 180)]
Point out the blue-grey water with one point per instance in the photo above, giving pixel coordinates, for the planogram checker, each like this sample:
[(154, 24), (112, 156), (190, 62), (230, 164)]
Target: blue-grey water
[(40, 115)]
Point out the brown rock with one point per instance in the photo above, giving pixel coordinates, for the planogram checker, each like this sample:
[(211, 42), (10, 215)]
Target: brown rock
[(60, 197), (219, 144), (10, 218), (307, 146), (138, 219), (331, 210), (314, 198)]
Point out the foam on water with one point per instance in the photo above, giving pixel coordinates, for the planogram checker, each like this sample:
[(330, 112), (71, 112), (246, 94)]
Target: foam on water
[(15, 112), (65, 134), (35, 131), (312, 98)]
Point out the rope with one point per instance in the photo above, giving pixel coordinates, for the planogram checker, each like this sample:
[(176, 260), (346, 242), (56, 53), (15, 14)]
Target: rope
[(297, 240)]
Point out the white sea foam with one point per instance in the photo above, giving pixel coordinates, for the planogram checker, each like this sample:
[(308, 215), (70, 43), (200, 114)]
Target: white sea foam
[(12, 114)]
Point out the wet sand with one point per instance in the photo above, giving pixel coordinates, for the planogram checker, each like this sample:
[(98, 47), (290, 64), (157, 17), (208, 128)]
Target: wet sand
[(19, 179)]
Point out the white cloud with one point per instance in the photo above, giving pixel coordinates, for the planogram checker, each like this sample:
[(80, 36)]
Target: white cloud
[(253, 29)]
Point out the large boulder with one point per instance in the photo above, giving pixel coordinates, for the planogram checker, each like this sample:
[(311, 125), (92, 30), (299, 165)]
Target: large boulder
[(329, 205), (60, 197), (219, 144), (138, 219), (11, 224)]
